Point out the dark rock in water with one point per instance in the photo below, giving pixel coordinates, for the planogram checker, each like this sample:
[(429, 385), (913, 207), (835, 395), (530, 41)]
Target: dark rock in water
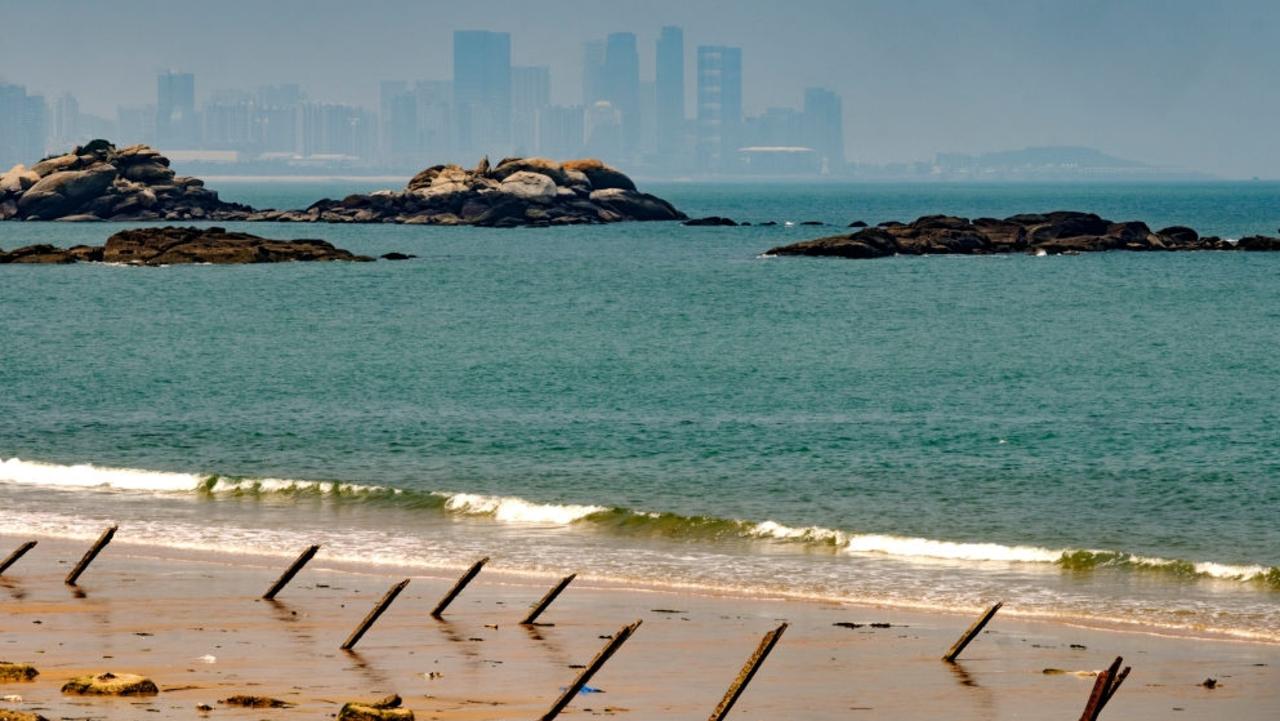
[(1180, 233), (858, 224), (1056, 233), (394, 255), (1258, 242), (97, 181), (770, 222), (711, 220), (36, 254), (173, 245), (1209, 683), (812, 222)]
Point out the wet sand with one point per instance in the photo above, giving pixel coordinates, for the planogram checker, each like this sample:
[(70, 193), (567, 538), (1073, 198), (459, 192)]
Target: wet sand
[(193, 622)]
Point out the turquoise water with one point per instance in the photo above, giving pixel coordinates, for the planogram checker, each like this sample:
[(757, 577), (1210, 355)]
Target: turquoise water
[(661, 403)]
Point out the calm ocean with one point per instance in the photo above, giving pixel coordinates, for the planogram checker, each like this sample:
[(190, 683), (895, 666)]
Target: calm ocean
[(1084, 437)]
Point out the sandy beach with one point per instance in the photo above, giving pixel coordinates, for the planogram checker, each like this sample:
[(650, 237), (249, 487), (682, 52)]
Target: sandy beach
[(193, 622)]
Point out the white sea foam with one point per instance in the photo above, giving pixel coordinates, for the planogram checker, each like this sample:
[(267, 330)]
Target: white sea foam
[(514, 510), (508, 509), (32, 473), (906, 547), (927, 548), (84, 475)]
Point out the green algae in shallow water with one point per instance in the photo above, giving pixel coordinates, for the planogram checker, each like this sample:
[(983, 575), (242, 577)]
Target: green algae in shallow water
[(10, 671)]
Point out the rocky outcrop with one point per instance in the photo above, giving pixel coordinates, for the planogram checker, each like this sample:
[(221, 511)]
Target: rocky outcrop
[(1061, 232), (111, 684), (97, 181), (388, 709), (172, 246), (15, 715), (517, 192)]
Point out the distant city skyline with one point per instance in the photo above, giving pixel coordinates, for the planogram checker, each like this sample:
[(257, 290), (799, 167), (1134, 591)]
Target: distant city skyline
[(488, 107), (1174, 83)]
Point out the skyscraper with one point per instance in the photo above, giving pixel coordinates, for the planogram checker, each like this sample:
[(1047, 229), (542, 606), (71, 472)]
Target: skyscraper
[(560, 131), (719, 106), (482, 91), (530, 95), (64, 131), (824, 127), (176, 124), (622, 86), (435, 119), (670, 89), (592, 72), (23, 122)]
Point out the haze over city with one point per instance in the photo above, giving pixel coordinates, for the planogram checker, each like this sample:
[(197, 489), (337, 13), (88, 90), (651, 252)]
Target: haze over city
[(1153, 82)]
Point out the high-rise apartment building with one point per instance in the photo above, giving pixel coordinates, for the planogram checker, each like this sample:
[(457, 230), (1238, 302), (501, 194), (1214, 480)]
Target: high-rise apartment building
[(177, 127), (530, 95), (824, 127), (23, 125), (482, 91), (670, 92), (719, 107), (622, 87)]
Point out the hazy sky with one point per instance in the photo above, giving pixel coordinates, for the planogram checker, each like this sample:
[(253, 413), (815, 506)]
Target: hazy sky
[(1193, 84)]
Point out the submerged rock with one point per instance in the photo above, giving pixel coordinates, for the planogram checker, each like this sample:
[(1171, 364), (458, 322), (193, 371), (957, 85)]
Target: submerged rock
[(712, 220), (10, 671), (1056, 233), (246, 701), (111, 684), (387, 709)]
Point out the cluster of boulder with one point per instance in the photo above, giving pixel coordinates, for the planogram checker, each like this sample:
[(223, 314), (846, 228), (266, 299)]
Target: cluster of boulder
[(97, 181), (1061, 232), (517, 192), (173, 245)]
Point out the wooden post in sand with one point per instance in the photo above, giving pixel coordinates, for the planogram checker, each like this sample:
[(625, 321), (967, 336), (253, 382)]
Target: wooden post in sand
[(970, 634), (614, 644), (18, 553), (292, 571), (457, 587), (747, 673), (377, 611), (542, 605), (1104, 688), (91, 554)]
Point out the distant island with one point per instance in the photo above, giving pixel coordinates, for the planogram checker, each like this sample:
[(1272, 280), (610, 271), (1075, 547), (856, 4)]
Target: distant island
[(1036, 164), (97, 181), (1055, 233)]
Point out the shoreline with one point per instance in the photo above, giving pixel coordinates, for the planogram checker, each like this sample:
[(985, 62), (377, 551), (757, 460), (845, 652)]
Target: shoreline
[(445, 571), (680, 661)]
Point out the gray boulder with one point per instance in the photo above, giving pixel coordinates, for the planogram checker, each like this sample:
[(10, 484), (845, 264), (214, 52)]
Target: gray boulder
[(62, 192)]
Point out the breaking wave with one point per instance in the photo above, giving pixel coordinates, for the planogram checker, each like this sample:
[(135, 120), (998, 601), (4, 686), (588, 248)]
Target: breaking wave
[(626, 522)]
